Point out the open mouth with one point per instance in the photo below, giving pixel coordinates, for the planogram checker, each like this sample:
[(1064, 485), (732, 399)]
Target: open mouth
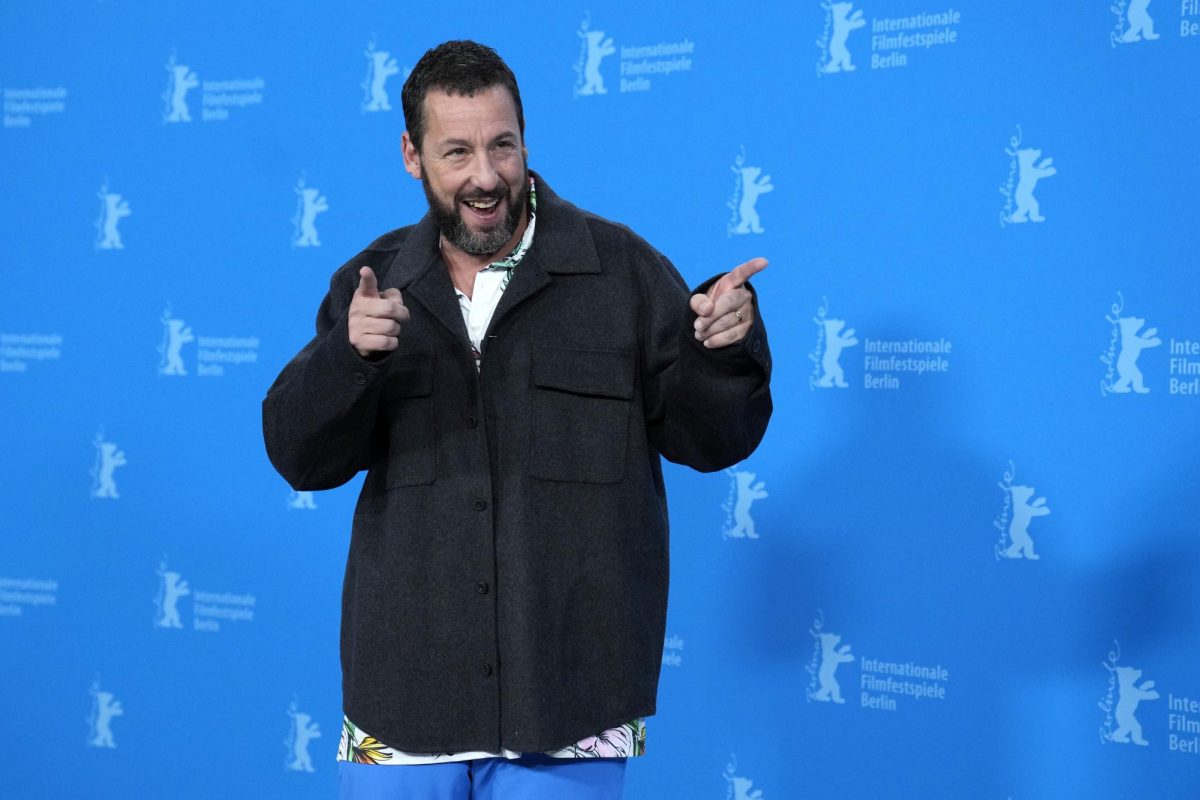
[(484, 209)]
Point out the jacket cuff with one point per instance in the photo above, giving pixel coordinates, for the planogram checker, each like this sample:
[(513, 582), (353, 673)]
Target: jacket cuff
[(345, 364), (753, 348)]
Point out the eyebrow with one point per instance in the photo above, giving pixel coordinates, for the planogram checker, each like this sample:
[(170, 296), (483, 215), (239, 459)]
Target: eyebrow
[(464, 142)]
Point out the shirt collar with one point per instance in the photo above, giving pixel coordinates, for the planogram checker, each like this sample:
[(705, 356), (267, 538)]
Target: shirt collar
[(510, 261)]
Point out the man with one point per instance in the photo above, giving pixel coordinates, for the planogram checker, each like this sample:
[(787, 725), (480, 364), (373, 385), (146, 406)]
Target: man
[(508, 371)]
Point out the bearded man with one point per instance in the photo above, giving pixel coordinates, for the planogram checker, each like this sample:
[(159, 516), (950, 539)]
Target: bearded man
[(508, 371)]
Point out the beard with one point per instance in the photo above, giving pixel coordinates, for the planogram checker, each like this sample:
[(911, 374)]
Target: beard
[(479, 243)]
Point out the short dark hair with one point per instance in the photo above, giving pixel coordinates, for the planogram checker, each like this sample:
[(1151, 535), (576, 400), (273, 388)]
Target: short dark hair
[(462, 68)]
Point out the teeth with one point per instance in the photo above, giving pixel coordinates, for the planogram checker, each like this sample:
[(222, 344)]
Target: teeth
[(482, 204)]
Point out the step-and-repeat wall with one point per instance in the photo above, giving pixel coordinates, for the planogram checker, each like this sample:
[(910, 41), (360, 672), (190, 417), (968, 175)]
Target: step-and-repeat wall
[(964, 563)]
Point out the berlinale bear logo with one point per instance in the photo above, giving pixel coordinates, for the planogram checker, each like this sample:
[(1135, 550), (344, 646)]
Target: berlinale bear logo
[(309, 203), (1133, 22), (593, 48), (171, 588), (1131, 694), (749, 185), (1132, 345), (826, 658), (835, 342), (831, 341), (742, 494), (843, 23), (180, 80), (1031, 171), (740, 788), (1023, 513), (1024, 172), (380, 67), (832, 657), (1121, 724), (176, 334), (105, 707), (303, 731), (113, 209), (301, 500), (1014, 518), (108, 458)]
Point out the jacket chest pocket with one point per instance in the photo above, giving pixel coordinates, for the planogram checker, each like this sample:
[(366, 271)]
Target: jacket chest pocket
[(580, 414), (406, 402)]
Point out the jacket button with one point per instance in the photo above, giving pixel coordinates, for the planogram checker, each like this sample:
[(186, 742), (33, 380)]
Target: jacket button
[(479, 505), (359, 378), (487, 670), (481, 587), (472, 422), (756, 346)]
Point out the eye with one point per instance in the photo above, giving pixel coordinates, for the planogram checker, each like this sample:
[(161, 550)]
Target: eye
[(506, 145), (456, 152)]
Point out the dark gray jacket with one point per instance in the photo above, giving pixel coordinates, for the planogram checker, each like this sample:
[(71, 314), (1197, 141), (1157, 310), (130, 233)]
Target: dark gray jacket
[(506, 584)]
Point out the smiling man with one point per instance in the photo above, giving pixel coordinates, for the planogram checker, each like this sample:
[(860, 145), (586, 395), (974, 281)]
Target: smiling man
[(509, 372)]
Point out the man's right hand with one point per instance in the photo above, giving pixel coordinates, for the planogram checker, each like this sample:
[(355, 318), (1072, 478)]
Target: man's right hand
[(375, 318)]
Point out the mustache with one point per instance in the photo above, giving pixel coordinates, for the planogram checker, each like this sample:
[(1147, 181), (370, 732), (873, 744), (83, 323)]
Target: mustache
[(498, 193)]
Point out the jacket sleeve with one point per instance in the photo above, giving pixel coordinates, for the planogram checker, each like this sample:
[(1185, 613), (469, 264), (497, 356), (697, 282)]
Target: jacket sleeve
[(706, 408), (319, 416)]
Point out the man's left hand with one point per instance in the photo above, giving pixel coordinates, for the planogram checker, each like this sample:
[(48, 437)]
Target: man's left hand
[(725, 313)]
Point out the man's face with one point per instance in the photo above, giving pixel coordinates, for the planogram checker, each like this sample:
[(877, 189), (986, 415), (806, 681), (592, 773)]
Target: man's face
[(472, 164)]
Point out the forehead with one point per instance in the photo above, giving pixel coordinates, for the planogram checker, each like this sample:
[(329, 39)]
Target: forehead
[(489, 112)]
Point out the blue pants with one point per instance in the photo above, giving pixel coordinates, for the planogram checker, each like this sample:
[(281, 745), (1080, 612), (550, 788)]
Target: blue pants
[(531, 777)]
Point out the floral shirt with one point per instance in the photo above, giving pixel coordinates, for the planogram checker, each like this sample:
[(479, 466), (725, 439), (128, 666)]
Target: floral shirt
[(624, 741)]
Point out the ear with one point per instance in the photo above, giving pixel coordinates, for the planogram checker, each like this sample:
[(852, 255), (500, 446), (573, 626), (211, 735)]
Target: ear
[(412, 156)]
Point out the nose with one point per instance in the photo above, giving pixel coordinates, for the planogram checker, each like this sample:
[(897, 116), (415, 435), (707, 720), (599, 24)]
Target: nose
[(484, 175)]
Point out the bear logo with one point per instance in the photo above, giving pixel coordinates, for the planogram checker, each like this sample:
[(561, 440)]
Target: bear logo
[(311, 202), (746, 491), (1132, 345), (302, 500), (173, 587), (596, 49), (1131, 694), (105, 707), (739, 787), (1140, 24), (113, 209), (304, 730), (380, 67), (832, 656), (835, 342), (843, 23), (752, 186), (108, 458), (1022, 513), (181, 80), (1031, 171), (176, 334)]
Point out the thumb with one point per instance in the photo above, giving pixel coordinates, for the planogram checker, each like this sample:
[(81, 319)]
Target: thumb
[(367, 285)]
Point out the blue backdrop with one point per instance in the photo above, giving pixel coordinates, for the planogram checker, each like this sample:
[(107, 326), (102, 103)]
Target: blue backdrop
[(964, 562)]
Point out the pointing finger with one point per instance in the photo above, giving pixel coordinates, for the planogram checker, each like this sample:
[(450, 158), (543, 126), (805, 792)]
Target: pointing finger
[(367, 285), (744, 272)]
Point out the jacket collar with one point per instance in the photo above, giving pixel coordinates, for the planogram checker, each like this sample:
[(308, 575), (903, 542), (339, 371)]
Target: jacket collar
[(562, 245)]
